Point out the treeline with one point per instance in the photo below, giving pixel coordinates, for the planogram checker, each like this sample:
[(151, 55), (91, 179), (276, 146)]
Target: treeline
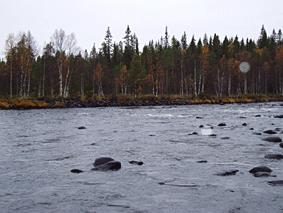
[(204, 67)]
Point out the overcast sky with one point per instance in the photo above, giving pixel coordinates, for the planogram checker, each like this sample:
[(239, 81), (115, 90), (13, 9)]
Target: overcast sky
[(88, 19)]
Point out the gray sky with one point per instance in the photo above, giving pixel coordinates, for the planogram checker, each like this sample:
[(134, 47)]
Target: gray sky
[(88, 19)]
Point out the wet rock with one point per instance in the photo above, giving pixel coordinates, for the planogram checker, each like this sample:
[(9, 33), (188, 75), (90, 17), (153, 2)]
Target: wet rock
[(106, 164), (225, 138), (228, 173), (151, 135), (81, 127), (242, 117), (139, 163), (274, 156), (222, 124), (257, 116), (198, 117), (202, 161), (277, 129), (270, 132), (258, 169), (76, 171), (252, 129), (244, 124), (201, 126), (213, 135), (278, 116), (273, 139), (276, 183), (281, 145)]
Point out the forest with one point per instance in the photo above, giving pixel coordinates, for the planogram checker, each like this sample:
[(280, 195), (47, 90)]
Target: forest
[(185, 67)]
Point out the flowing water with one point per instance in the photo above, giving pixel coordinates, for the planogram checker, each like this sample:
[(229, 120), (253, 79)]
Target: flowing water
[(40, 147)]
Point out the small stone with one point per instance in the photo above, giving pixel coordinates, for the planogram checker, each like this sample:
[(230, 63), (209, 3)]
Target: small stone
[(273, 139), (139, 163), (81, 127), (274, 156), (222, 124), (252, 129), (244, 124), (76, 171), (225, 138), (194, 133), (228, 173), (198, 117), (213, 135), (257, 116), (202, 161), (257, 133), (270, 132), (276, 183), (201, 126)]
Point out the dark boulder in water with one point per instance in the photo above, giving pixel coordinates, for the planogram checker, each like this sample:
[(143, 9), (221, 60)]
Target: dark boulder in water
[(228, 173), (222, 124), (244, 124), (262, 174), (225, 138), (257, 116), (274, 156), (198, 117), (81, 127), (139, 163), (281, 145), (201, 126), (194, 133), (76, 171), (273, 139), (257, 133), (278, 116), (260, 169), (106, 164), (270, 132)]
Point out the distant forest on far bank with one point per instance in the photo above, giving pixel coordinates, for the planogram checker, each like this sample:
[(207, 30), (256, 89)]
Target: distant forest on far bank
[(170, 66)]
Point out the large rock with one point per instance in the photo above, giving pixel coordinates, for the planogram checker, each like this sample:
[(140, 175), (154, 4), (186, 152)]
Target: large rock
[(222, 124), (273, 139), (278, 116), (274, 156), (281, 145), (106, 164), (76, 171)]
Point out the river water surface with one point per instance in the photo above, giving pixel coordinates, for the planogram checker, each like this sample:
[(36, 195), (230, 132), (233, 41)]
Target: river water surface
[(40, 147)]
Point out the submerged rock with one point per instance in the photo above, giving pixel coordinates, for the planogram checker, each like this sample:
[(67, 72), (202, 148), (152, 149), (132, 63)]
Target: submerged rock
[(198, 117), (262, 174), (194, 133), (222, 124), (278, 116), (270, 132), (258, 169), (257, 116), (274, 156), (244, 124), (276, 183), (139, 163), (201, 126), (76, 171), (252, 129), (257, 133), (228, 173), (281, 145), (106, 164), (273, 139)]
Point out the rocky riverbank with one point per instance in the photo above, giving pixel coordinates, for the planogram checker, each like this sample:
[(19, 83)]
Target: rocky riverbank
[(118, 101)]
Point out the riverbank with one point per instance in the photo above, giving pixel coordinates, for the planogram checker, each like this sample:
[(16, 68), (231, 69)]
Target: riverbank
[(119, 101)]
